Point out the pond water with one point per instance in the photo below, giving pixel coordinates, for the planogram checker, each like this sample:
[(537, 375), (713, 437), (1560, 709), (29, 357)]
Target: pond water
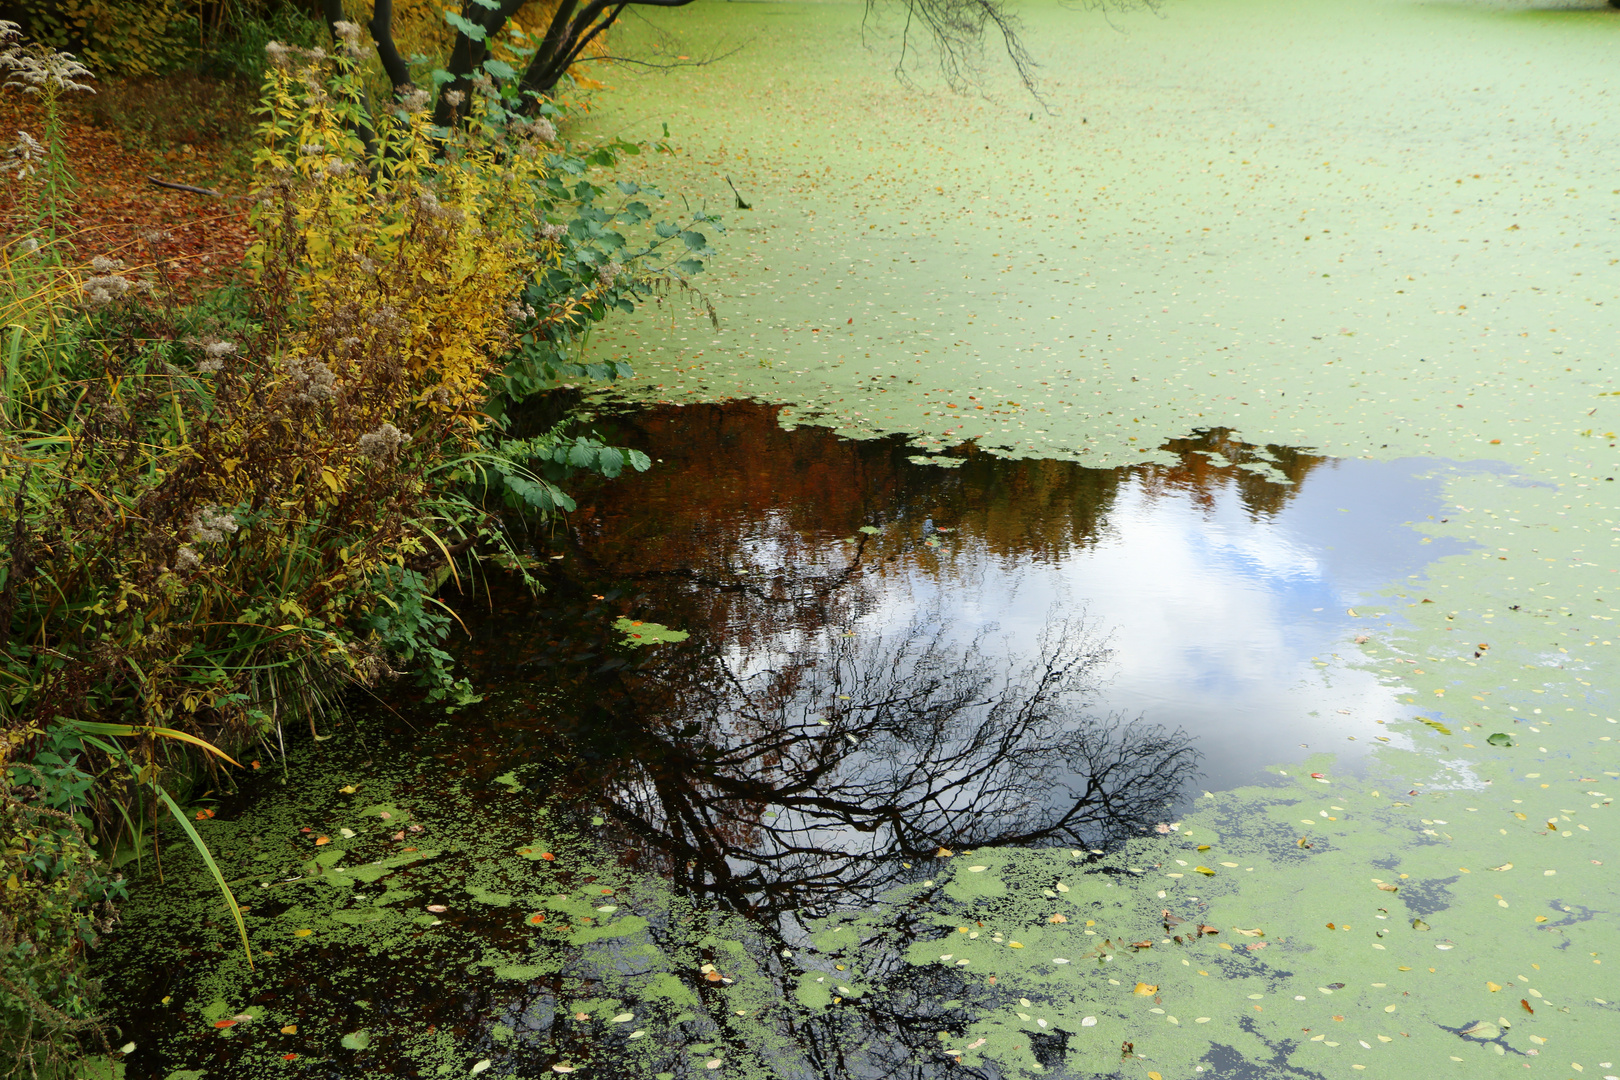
[(874, 656)]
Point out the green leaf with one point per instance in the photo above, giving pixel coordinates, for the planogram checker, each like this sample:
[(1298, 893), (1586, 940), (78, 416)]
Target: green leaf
[(639, 461), (629, 187), (695, 241), (690, 266), (356, 1040), (1500, 739), (666, 230), (647, 633), (500, 69), (466, 26), (208, 858), (441, 76)]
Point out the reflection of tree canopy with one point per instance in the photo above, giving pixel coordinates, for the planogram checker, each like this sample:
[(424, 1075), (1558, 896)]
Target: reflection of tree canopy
[(810, 783), (749, 516)]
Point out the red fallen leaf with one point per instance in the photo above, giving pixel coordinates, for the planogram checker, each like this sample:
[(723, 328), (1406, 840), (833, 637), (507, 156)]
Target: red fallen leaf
[(232, 1023), (537, 918), (1527, 1007), (548, 856), (1317, 776), (306, 829), (319, 840), (288, 1057)]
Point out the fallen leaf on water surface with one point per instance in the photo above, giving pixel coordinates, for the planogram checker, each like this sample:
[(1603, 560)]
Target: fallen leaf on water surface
[(347, 789), (480, 1067), (398, 836), (347, 834), (1090, 1021), (302, 933), (1204, 870), (437, 909), (232, 1023), (1145, 989), (977, 869), (1419, 924), (290, 1029), (624, 1018), (943, 853), (1499, 739), (560, 1068), (356, 1040), (1060, 918), (537, 918), (1387, 887), (321, 840), (1256, 932), (1154, 1076), (1527, 1007), (714, 976), (713, 1063)]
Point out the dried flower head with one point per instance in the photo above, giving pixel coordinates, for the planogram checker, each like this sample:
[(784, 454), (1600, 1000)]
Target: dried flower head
[(37, 68), (414, 98), (383, 444), (103, 264), (553, 232), (100, 292), (608, 274), (277, 53), (210, 524), (348, 35), (454, 98), (186, 559), (214, 356), (311, 380), (22, 155)]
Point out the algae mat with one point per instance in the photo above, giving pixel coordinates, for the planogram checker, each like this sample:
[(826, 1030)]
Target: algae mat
[(1377, 230)]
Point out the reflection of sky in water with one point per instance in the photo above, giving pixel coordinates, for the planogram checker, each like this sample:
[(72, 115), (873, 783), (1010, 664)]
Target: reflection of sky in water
[(1224, 622)]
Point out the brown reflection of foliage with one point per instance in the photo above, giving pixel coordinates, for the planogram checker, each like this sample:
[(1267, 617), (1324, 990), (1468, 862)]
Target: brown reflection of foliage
[(753, 519)]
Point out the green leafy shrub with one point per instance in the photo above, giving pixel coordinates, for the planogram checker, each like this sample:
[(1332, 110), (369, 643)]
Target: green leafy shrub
[(117, 37)]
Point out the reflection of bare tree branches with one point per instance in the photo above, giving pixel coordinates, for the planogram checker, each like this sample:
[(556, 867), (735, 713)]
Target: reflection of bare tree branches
[(807, 784)]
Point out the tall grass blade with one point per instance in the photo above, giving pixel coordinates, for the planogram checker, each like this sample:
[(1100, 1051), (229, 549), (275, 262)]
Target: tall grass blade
[(213, 868)]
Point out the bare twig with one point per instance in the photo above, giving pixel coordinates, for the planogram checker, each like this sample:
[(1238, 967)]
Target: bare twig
[(187, 187)]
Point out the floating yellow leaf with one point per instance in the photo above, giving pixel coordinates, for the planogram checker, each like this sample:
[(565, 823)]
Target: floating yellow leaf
[(290, 1029), (1015, 945), (1492, 987), (302, 933), (1204, 870), (347, 789), (1145, 989), (1203, 847), (1154, 1076), (943, 853)]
